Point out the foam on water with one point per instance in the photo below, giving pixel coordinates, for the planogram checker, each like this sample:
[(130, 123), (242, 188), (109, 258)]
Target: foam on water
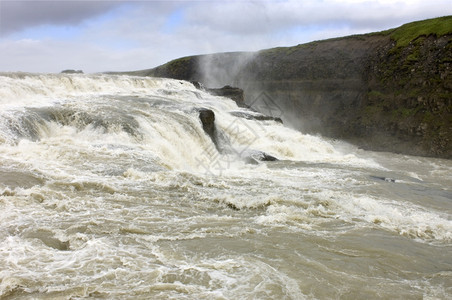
[(109, 187), (27, 89), (92, 94)]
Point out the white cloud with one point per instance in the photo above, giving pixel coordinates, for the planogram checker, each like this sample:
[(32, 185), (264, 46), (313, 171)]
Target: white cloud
[(16, 15), (142, 34)]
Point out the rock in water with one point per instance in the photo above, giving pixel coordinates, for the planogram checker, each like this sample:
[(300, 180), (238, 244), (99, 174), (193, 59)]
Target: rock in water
[(262, 156), (233, 93), (255, 116), (207, 117), (267, 157), (255, 156), (70, 71), (198, 85)]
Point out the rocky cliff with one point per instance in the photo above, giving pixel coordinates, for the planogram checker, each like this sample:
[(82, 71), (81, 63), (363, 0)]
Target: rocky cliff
[(386, 91)]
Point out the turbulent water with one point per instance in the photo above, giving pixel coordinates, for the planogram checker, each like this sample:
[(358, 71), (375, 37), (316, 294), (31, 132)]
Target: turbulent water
[(109, 188)]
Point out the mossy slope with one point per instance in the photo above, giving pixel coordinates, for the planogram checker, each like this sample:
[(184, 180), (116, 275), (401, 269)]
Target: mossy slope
[(404, 34)]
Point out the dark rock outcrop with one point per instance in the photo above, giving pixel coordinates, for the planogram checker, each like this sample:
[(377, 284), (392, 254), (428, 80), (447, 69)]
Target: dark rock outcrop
[(262, 156), (198, 85), (207, 118), (233, 93), (254, 116), (72, 71), (230, 92)]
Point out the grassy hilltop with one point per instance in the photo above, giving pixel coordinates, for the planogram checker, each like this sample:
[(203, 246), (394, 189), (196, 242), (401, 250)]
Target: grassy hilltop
[(389, 90)]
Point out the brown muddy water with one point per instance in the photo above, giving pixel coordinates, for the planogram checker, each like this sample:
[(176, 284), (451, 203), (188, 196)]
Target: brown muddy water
[(110, 189)]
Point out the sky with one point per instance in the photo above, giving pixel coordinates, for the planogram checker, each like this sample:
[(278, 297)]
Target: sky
[(104, 35)]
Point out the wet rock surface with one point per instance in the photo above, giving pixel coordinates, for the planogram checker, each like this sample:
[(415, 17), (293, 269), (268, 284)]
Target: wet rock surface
[(207, 117)]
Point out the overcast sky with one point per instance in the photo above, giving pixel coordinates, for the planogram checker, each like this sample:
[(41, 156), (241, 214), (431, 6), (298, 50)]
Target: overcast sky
[(95, 36)]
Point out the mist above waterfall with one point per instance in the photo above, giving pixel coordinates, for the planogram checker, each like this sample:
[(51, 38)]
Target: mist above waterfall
[(223, 68)]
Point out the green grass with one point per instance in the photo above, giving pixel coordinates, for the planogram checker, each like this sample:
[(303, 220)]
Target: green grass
[(375, 94), (274, 51), (404, 34), (180, 61)]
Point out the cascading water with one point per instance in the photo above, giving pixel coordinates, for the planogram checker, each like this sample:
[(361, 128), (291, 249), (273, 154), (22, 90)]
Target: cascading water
[(110, 188)]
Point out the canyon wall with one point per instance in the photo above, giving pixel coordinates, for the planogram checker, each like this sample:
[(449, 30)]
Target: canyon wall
[(385, 91)]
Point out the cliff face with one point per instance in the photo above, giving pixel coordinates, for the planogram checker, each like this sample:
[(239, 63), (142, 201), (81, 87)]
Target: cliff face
[(409, 96), (388, 91)]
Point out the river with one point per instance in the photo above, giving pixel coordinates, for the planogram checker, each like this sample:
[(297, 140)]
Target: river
[(110, 189)]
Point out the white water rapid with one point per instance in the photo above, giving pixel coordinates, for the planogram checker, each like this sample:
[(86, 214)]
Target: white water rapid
[(110, 188)]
